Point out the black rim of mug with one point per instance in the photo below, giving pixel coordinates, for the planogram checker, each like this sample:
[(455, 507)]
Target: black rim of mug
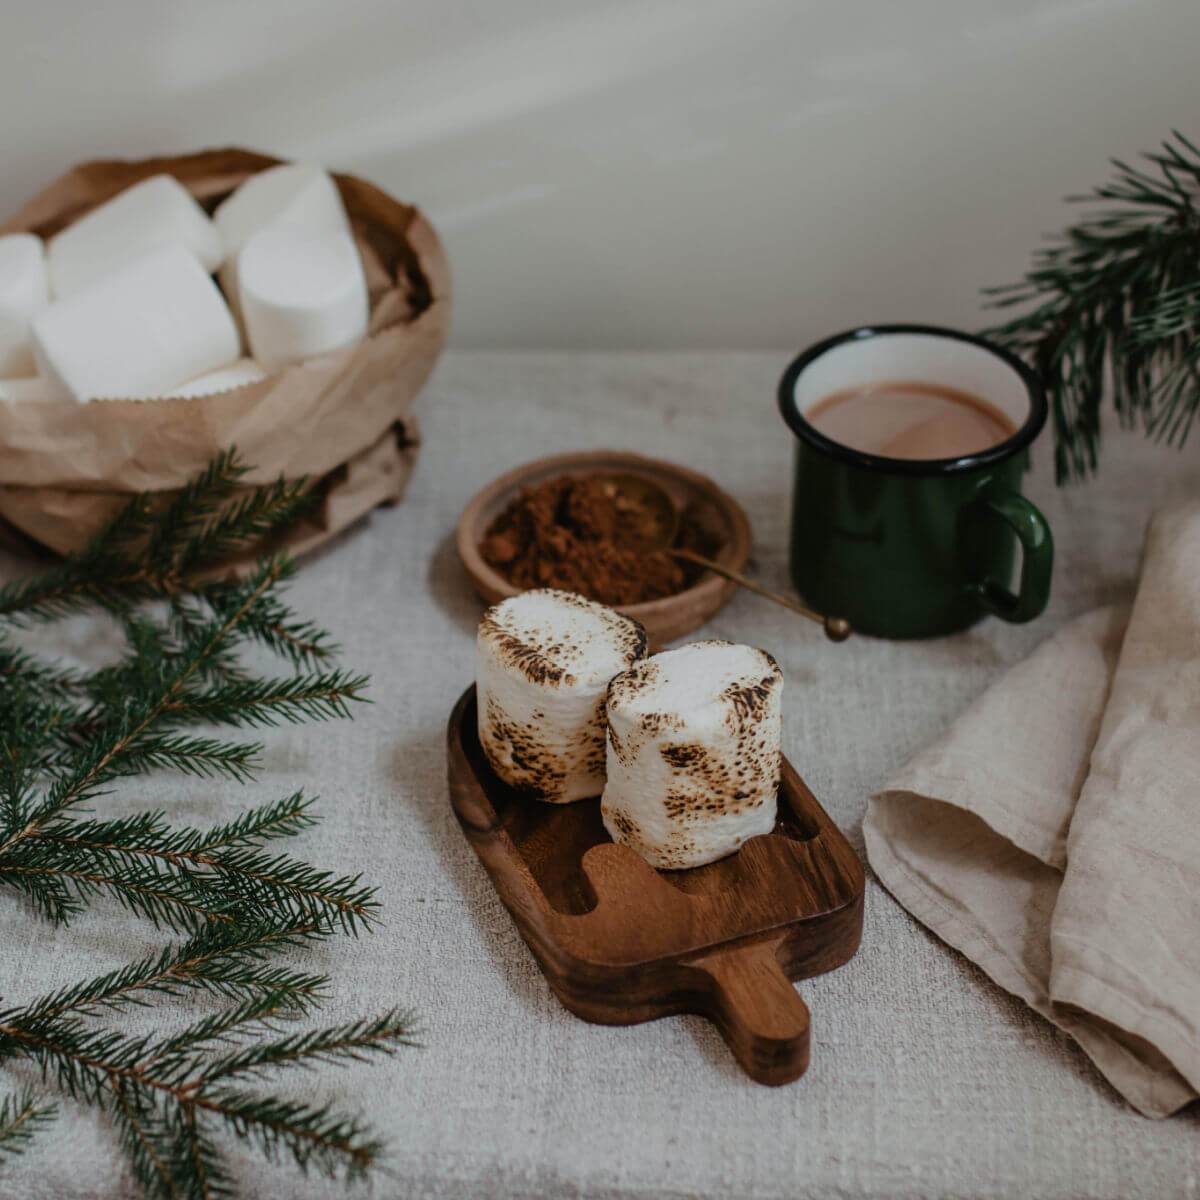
[(1029, 430)]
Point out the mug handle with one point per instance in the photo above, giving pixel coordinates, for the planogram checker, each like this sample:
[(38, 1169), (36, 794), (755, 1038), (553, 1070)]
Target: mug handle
[(1037, 564)]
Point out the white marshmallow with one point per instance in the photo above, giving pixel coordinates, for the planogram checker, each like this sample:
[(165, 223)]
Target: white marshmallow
[(152, 214), (543, 660), (291, 196), (302, 294), (236, 375), (693, 753), (35, 388), (23, 294), (141, 331)]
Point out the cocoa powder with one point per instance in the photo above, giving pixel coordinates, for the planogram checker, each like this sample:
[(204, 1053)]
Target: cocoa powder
[(582, 535)]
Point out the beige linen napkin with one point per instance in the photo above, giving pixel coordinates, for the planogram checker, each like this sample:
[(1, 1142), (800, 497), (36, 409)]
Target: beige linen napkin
[(1053, 834)]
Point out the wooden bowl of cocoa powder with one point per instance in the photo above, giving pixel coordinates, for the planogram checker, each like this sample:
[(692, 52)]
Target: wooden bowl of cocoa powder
[(551, 523)]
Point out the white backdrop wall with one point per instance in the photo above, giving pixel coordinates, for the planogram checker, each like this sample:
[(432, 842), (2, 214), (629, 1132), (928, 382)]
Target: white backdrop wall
[(641, 173)]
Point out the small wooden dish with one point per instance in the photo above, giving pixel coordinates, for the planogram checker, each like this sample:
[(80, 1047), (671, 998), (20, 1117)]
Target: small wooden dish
[(621, 943), (665, 620)]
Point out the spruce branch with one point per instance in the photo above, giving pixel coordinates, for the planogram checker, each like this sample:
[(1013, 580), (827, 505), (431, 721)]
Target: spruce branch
[(314, 1135), (1113, 305), (150, 553), (181, 1056), (103, 574), (205, 1168), (287, 817), (152, 1145), (99, 1065), (165, 898), (356, 1040), (21, 1115), (253, 518), (82, 1061), (227, 962), (322, 696), (272, 623), (151, 688), (204, 757), (193, 508), (67, 740), (51, 681), (46, 893), (225, 865)]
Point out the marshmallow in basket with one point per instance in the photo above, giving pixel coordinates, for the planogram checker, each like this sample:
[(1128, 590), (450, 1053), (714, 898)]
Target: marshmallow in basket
[(290, 196), (24, 292), (292, 272), (151, 215), (301, 294), (140, 331), (134, 311)]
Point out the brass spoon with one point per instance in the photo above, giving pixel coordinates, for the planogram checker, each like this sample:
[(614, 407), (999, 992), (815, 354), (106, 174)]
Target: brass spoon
[(662, 534)]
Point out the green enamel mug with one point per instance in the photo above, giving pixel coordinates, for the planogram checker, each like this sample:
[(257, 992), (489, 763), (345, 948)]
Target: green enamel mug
[(908, 548)]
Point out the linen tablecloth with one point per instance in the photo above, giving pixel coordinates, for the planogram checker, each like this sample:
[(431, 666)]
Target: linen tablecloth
[(926, 1080)]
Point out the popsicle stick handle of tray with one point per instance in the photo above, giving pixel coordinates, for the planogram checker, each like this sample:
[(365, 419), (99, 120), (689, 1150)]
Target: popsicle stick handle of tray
[(761, 1016)]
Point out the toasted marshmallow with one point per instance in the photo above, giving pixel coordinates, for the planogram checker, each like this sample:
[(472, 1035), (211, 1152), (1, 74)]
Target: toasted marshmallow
[(693, 753), (543, 661)]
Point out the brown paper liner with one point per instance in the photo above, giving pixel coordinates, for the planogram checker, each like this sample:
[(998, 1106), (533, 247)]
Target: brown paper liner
[(62, 520), (343, 419)]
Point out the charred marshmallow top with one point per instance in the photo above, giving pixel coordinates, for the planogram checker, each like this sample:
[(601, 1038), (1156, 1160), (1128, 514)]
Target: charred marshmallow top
[(544, 660), (693, 752)]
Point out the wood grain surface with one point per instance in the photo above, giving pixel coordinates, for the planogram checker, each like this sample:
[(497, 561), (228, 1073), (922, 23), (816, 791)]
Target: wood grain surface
[(621, 943)]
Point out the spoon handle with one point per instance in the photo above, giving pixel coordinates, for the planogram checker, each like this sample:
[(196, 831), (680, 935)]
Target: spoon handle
[(837, 629)]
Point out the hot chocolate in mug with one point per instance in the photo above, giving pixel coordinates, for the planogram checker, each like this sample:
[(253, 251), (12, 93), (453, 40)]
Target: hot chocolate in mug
[(903, 545)]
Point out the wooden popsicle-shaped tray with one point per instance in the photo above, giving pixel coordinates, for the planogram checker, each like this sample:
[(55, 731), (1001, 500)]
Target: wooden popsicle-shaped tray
[(621, 943)]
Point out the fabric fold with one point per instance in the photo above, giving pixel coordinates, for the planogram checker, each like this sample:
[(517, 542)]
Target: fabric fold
[(1052, 834)]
